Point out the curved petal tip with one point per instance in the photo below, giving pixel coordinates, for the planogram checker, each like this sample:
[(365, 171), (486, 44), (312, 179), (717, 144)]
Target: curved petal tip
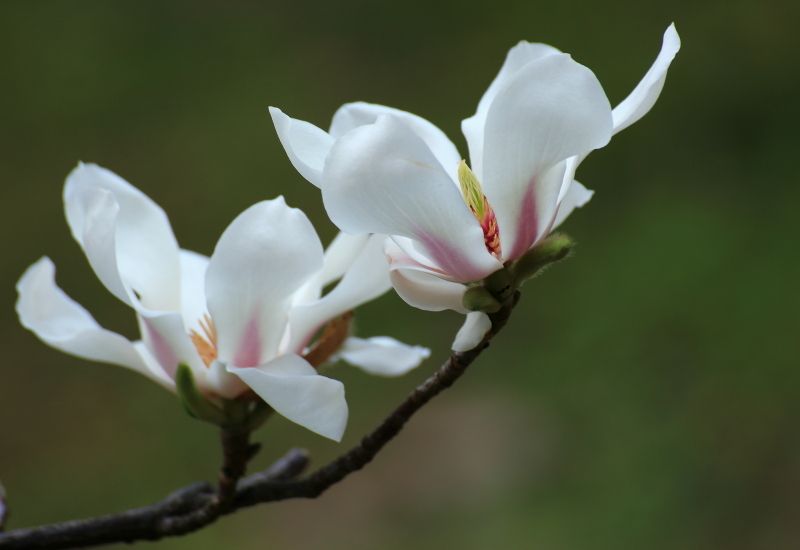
[(475, 327)]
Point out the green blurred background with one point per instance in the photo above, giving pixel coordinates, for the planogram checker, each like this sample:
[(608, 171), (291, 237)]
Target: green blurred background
[(645, 394)]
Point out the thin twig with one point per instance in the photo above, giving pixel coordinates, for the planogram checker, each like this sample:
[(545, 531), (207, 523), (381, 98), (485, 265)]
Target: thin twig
[(198, 505)]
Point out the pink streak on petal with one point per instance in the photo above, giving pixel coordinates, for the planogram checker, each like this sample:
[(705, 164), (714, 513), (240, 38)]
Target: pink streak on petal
[(161, 349), (248, 353), (450, 260), (404, 261), (527, 224)]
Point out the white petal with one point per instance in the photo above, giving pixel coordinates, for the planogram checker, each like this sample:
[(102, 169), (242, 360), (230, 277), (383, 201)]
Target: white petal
[(552, 109), (60, 322), (157, 373), (577, 195), (382, 178), (639, 101), (426, 291), (475, 327), (473, 127), (218, 381), (305, 144), (126, 236), (167, 340), (291, 386), (193, 288), (99, 211), (537, 210), (340, 255), (570, 166), (407, 253), (267, 253), (366, 279), (382, 356), (644, 96), (353, 115)]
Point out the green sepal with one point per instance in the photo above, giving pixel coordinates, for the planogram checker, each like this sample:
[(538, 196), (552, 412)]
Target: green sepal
[(193, 401), (554, 248), (500, 284), (478, 298)]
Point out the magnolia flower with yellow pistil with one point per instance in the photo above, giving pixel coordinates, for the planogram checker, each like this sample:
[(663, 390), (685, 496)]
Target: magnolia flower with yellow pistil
[(382, 170), (243, 321)]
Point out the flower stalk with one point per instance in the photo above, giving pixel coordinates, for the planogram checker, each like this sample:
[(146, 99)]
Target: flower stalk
[(237, 451)]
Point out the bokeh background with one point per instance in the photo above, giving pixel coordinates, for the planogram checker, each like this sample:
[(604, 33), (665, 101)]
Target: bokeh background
[(645, 394)]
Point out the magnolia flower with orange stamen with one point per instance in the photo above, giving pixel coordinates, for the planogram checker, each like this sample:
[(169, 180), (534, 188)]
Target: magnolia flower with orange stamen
[(244, 320), (382, 170)]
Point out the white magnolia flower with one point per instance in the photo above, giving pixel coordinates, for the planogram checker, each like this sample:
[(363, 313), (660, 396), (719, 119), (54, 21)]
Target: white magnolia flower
[(241, 320), (382, 170)]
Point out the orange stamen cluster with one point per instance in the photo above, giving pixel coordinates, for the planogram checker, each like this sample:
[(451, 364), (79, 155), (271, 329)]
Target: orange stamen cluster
[(206, 343)]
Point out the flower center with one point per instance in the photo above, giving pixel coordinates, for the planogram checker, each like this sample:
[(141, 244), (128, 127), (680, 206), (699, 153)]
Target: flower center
[(479, 205), (205, 343)]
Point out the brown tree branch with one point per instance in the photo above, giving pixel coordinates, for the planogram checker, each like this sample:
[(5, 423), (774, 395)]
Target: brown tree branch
[(198, 505)]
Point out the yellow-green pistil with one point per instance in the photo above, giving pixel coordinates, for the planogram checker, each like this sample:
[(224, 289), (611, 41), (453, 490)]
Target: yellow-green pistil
[(479, 205)]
